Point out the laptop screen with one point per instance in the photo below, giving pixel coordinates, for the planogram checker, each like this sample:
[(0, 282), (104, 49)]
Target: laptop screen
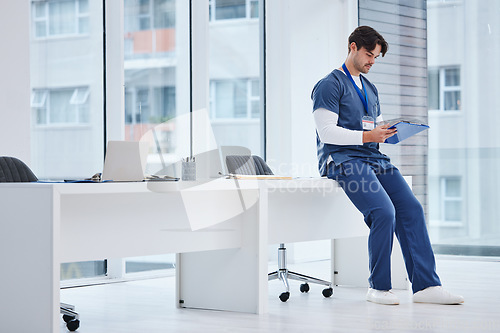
[(125, 161)]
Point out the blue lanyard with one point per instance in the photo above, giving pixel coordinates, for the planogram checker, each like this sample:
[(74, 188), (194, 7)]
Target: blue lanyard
[(365, 99)]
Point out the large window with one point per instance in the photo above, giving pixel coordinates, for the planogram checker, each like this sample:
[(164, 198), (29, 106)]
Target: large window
[(67, 88), (68, 80), (156, 73), (67, 112), (464, 152), (157, 91), (234, 69)]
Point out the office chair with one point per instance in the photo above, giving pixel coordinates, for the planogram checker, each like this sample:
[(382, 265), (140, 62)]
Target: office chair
[(14, 170), (255, 165)]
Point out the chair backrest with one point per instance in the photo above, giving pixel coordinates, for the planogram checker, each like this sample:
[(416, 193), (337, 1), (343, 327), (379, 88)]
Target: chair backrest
[(232, 150), (247, 165), (14, 170)]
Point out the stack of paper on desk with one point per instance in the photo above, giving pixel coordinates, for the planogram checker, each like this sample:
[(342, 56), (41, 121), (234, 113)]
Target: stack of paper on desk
[(258, 177)]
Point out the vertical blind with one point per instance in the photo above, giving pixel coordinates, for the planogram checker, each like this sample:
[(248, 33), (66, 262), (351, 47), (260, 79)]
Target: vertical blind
[(401, 78)]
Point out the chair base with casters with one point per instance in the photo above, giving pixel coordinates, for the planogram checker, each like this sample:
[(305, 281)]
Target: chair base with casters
[(284, 274), (255, 165), (71, 318)]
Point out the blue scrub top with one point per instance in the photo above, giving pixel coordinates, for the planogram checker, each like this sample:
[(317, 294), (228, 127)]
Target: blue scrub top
[(335, 92)]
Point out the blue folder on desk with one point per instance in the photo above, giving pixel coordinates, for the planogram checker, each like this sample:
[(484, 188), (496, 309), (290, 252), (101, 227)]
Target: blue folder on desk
[(405, 130)]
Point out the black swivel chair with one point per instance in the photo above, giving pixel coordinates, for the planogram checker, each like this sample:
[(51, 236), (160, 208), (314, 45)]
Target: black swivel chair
[(15, 170), (255, 165)]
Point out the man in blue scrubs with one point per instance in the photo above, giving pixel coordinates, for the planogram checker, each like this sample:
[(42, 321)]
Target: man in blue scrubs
[(346, 112)]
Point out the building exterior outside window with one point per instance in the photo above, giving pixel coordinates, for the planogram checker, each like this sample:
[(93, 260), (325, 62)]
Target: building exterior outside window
[(60, 18), (61, 106), (233, 9), (156, 72), (66, 55), (444, 90), (234, 99), (451, 201), (66, 58), (234, 71), (152, 14), (149, 28), (464, 153), (155, 94)]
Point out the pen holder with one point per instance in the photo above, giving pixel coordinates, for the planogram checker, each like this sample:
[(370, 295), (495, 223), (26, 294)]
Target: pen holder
[(189, 170)]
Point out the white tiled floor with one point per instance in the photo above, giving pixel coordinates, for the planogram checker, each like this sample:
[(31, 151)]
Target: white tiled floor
[(148, 306)]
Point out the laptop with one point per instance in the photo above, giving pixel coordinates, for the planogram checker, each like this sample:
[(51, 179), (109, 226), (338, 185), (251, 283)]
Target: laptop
[(125, 161)]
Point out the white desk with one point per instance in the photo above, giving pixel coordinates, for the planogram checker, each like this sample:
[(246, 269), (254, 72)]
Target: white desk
[(222, 266)]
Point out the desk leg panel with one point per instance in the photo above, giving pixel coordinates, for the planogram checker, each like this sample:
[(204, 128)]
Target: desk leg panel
[(350, 263), (233, 279), (30, 270)]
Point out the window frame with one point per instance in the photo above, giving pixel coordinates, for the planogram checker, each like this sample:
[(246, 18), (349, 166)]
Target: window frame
[(46, 21), (44, 105), (444, 198), (443, 88), (149, 15)]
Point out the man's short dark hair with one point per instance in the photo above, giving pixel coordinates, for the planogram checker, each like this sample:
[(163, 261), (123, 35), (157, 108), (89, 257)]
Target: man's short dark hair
[(367, 37)]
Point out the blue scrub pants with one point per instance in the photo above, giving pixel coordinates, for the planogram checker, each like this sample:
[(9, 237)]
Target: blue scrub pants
[(389, 206)]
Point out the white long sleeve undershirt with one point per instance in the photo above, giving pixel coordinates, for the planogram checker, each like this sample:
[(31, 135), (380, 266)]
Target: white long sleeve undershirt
[(329, 131)]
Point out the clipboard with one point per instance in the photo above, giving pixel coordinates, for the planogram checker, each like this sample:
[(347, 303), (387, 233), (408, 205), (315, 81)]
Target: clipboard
[(406, 129), (238, 176)]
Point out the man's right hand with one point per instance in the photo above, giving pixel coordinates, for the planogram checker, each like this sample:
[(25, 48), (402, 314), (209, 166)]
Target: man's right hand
[(379, 134)]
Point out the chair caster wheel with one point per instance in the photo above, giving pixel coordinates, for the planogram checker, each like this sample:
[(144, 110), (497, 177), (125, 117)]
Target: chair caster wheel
[(304, 288), (67, 318), (285, 296), (327, 292), (73, 325)]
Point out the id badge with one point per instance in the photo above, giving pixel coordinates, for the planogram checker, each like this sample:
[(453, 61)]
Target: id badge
[(368, 123)]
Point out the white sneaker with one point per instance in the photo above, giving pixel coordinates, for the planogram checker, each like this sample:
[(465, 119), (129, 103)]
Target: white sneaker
[(436, 295), (386, 297)]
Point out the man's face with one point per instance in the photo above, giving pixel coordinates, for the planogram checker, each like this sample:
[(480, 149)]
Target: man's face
[(363, 59)]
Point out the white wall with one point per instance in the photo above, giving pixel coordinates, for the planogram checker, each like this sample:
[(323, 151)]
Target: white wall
[(15, 80), (306, 40)]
